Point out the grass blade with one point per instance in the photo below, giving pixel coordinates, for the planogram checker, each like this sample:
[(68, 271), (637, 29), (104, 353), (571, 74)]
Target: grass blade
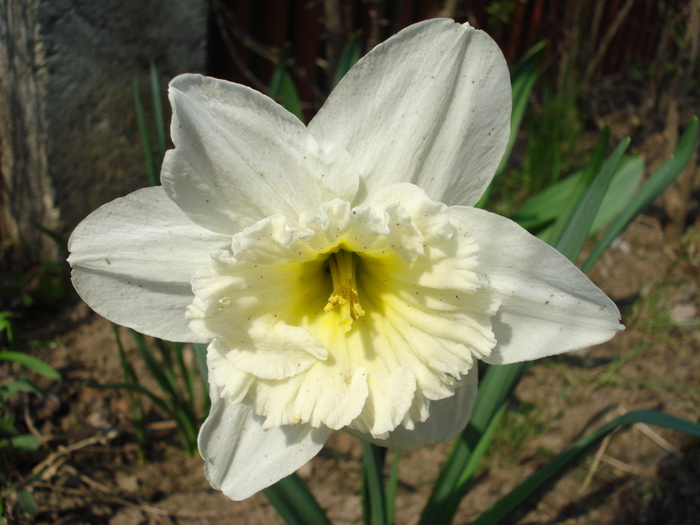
[(542, 210), (151, 168), (278, 73), (158, 115), (349, 57), (523, 78), (294, 502), (37, 365), (515, 498), (138, 417), (657, 183), (25, 442), (282, 87), (373, 495), (139, 389), (392, 488), (575, 232), (154, 367), (200, 354), (290, 97), (593, 167), (178, 407), (186, 372)]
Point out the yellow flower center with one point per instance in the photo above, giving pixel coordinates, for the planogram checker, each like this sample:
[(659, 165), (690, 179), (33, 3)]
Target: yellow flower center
[(342, 265)]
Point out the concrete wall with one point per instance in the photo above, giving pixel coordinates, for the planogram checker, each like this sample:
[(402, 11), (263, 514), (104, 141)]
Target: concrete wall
[(69, 139)]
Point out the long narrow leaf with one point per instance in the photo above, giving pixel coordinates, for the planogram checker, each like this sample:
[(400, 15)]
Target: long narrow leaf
[(14, 387), (282, 86), (515, 498), (349, 57), (200, 354), (135, 404), (295, 503), (290, 97), (544, 207), (151, 168), (657, 183), (158, 114), (139, 389), (181, 412), (37, 365), (575, 233), (523, 78), (482, 445), (23, 442), (593, 167), (373, 495), (278, 73), (154, 367), (392, 488), (186, 373)]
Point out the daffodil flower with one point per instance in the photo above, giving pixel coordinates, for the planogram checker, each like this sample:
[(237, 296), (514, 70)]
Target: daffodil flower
[(338, 271)]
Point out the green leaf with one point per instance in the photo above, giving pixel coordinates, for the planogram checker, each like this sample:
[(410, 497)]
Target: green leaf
[(135, 404), (25, 442), (295, 503), (278, 73), (282, 86), (37, 365), (6, 325), (523, 78), (575, 232), (392, 488), (566, 459), (543, 208), (26, 503), (151, 167), (593, 167), (139, 389), (18, 385), (177, 406), (657, 183), (373, 495), (290, 97), (349, 57), (200, 354), (157, 114)]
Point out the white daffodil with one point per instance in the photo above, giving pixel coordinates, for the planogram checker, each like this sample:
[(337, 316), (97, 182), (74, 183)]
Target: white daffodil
[(338, 271)]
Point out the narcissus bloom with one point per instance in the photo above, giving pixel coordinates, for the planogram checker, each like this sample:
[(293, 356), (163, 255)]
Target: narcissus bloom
[(338, 271)]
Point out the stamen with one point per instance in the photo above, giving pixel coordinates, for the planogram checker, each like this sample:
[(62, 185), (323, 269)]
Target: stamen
[(342, 265)]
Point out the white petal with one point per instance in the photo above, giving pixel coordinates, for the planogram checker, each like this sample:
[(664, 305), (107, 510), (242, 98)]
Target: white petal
[(429, 106), (240, 157), (548, 305), (133, 260), (448, 417), (242, 458)]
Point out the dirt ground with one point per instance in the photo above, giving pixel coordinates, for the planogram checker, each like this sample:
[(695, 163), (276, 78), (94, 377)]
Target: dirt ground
[(640, 475)]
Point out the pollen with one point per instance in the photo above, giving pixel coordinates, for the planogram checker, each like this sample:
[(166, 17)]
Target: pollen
[(343, 265)]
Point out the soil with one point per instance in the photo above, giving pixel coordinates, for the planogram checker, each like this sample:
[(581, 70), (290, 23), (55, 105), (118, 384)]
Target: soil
[(644, 475)]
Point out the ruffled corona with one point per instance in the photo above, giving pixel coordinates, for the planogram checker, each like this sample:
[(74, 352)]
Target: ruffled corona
[(356, 317)]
